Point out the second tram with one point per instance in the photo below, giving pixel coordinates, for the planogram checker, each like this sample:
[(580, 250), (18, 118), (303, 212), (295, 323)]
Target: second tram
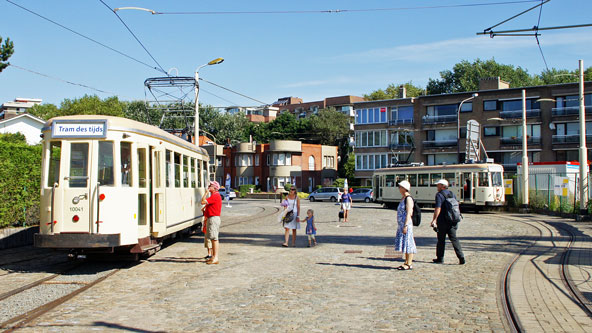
[(475, 185)]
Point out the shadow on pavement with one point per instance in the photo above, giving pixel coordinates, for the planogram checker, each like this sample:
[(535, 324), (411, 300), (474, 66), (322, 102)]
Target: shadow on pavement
[(357, 266)]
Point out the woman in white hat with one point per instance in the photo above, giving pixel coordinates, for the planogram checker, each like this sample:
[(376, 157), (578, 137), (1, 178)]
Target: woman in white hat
[(404, 241)]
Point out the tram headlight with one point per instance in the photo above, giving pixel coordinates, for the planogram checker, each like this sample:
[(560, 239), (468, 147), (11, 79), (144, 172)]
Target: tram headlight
[(75, 200)]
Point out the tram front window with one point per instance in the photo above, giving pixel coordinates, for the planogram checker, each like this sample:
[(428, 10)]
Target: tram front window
[(106, 163), (496, 179), (483, 179), (126, 164), (53, 174), (79, 165)]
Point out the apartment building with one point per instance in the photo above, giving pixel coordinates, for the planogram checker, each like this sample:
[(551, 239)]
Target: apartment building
[(255, 114), (19, 106), (301, 109), (424, 129), (272, 165)]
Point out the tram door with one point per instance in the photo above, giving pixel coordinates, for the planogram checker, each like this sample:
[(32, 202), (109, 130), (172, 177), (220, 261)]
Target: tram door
[(76, 189), (157, 188), (143, 191), (467, 186)]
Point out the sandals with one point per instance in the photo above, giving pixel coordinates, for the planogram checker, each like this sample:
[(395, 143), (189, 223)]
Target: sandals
[(405, 267), (285, 245)]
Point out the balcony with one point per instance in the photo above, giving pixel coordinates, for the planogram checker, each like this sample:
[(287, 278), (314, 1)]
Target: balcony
[(440, 144), (534, 113), (566, 139), (400, 146), (518, 140), (401, 122), (428, 120), (570, 111)]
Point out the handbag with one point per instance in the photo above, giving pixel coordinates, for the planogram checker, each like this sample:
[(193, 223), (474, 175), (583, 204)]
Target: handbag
[(290, 215)]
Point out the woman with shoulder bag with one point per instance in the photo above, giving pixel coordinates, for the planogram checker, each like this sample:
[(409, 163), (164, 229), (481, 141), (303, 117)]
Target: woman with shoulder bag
[(291, 219), (404, 241)]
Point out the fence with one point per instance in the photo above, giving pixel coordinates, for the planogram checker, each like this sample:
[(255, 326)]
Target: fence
[(556, 192)]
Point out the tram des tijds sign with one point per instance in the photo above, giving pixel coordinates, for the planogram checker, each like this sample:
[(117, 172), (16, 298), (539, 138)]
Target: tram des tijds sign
[(61, 129), (473, 150)]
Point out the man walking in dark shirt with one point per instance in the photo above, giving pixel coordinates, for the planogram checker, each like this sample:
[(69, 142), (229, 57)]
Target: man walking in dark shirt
[(444, 227)]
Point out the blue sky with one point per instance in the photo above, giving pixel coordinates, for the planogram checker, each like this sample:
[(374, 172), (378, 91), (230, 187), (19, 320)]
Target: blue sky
[(268, 56)]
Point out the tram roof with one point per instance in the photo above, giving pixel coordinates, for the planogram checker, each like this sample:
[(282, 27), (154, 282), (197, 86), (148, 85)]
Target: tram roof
[(129, 125), (440, 167)]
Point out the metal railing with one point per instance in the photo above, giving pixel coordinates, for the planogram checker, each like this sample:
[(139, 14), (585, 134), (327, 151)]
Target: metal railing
[(570, 111), (401, 122), (440, 143), (518, 113), (572, 138), (439, 119), (518, 140), (400, 146)]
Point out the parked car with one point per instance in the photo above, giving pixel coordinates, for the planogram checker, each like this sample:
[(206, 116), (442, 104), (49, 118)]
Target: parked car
[(231, 193), (325, 193), (362, 194)]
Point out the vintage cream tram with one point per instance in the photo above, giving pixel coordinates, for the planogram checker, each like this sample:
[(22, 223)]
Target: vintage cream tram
[(113, 184), (475, 185)]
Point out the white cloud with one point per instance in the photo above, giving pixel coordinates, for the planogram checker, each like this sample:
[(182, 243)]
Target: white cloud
[(464, 48)]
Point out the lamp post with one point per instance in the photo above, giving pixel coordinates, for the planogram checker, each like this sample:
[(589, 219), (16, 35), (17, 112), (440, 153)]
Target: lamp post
[(196, 124), (524, 153), (583, 148), (458, 126)]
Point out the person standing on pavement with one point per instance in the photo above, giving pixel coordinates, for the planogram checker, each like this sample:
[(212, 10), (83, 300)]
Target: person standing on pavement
[(213, 209), (293, 205), (404, 241), (443, 227), (346, 204), (311, 228)]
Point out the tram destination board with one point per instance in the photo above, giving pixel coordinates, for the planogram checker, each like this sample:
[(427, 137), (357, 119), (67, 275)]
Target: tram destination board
[(61, 129)]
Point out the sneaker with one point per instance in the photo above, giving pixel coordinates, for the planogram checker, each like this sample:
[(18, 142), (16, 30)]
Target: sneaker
[(461, 261), (438, 261)]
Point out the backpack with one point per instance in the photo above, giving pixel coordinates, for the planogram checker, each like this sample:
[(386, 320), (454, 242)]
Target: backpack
[(416, 215), (451, 209)]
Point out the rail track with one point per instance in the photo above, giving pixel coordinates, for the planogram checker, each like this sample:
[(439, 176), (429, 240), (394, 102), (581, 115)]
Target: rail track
[(532, 258)]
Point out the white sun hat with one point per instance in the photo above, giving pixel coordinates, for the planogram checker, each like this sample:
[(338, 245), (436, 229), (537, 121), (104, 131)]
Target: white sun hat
[(443, 182), (405, 184)]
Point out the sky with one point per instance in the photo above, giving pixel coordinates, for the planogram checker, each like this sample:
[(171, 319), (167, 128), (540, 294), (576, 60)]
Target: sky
[(304, 51)]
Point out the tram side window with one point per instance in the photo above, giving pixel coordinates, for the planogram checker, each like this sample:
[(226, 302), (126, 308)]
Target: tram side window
[(169, 168), (79, 165), (434, 177), (496, 179), (106, 165), (177, 170), (126, 163), (483, 179), (401, 178), (53, 174), (390, 181), (142, 172), (157, 172), (451, 178), (412, 180), (185, 171), (206, 176), (193, 172), (199, 174), (424, 179)]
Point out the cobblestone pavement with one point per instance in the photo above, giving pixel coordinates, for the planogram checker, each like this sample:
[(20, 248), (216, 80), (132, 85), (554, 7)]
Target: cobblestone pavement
[(348, 282)]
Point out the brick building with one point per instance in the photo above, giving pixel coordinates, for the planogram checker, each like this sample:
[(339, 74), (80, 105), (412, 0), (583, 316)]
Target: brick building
[(301, 109), (272, 165), (425, 128)]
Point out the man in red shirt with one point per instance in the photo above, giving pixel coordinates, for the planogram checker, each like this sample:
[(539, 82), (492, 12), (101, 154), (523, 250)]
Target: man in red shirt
[(213, 204)]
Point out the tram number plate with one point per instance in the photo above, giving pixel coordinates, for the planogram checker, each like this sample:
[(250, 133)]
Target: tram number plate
[(76, 209)]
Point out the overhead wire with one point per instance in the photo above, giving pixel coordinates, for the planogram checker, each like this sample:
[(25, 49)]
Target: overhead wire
[(337, 11), (536, 36), (83, 36), (232, 91), (134, 35)]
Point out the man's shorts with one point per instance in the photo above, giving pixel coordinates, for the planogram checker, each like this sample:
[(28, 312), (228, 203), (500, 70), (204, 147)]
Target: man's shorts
[(346, 205), (213, 227)]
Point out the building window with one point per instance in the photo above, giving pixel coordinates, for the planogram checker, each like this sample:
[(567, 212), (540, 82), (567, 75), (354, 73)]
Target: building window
[(467, 107), (490, 105), (437, 159), (516, 131), (371, 139), (311, 163), (371, 116), (371, 161), (516, 105), (491, 131), (256, 160)]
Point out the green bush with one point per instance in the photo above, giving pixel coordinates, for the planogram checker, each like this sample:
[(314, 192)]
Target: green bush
[(20, 176), (244, 189), (339, 182)]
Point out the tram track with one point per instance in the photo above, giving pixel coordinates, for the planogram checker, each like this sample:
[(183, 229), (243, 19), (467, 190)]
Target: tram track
[(510, 309)]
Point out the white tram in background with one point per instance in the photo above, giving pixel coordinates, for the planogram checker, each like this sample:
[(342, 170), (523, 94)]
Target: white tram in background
[(113, 184), (475, 185)]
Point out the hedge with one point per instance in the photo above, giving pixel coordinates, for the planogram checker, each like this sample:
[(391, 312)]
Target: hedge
[(20, 176)]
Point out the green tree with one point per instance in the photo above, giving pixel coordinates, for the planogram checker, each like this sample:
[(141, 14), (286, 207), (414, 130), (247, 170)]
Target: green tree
[(393, 92), (330, 126), (556, 76), (348, 169), (6, 51), (13, 138), (465, 76), (229, 127), (110, 106)]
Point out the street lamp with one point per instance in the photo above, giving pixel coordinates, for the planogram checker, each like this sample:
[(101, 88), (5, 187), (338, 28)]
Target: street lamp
[(583, 148), (458, 126), (196, 124)]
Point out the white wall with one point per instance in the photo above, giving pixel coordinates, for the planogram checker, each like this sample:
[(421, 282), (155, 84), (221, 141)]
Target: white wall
[(25, 125)]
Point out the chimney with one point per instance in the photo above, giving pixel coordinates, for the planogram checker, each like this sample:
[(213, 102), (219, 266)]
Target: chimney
[(402, 92), (493, 83)]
